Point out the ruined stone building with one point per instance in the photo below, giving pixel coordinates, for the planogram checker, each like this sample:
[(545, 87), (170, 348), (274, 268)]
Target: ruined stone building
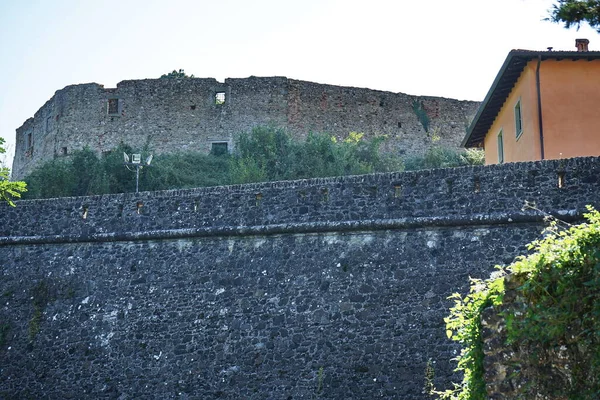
[(200, 114)]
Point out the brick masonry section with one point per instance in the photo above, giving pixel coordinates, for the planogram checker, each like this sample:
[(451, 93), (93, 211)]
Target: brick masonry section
[(325, 288), (190, 114)]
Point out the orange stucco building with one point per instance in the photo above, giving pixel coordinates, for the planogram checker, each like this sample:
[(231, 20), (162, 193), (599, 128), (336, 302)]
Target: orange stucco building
[(542, 105)]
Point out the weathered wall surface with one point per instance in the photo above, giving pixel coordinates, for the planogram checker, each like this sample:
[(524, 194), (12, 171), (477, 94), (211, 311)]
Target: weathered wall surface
[(182, 114), (326, 288)]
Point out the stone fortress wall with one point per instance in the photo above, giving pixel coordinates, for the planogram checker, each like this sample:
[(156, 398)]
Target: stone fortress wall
[(324, 288), (192, 114)]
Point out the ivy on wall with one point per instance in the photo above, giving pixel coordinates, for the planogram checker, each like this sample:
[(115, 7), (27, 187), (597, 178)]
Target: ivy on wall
[(557, 305)]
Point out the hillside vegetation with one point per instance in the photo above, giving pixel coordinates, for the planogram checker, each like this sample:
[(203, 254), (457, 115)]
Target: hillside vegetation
[(262, 155)]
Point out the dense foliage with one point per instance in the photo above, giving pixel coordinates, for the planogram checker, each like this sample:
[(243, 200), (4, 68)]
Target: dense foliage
[(442, 157), (176, 75), (264, 154), (9, 190), (576, 12), (560, 292)]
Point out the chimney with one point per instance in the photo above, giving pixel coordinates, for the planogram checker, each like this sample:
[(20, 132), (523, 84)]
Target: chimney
[(582, 44)]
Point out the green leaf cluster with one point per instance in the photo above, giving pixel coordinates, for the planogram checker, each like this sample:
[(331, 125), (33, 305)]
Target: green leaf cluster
[(175, 74), (576, 12), (271, 154), (264, 154), (558, 305), (443, 157), (9, 190)]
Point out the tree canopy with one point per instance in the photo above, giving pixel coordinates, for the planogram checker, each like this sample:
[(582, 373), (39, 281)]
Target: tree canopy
[(9, 190), (576, 12), (176, 75)]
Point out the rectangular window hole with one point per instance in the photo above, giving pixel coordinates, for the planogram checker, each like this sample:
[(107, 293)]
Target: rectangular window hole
[(449, 185), (193, 107), (196, 205), (399, 124), (258, 197), (531, 175), (219, 148), (84, 209), (561, 179), (220, 98), (397, 191), (139, 207), (325, 194), (476, 185), (63, 151), (113, 106)]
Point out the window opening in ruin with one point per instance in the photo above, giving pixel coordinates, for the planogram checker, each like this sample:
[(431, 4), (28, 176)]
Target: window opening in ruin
[(140, 207), (531, 178), (476, 185), (193, 107), (84, 209), (219, 98), (113, 106), (63, 151), (325, 193), (258, 199), (29, 143), (399, 124), (219, 148), (397, 191), (449, 185)]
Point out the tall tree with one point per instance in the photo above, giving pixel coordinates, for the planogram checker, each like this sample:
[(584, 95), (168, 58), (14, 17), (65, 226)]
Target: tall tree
[(576, 12), (9, 190)]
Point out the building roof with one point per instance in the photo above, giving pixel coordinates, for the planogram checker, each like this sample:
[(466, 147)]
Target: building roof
[(505, 80)]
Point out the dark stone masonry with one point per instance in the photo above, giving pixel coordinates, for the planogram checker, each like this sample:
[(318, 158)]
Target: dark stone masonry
[(169, 115), (326, 288)]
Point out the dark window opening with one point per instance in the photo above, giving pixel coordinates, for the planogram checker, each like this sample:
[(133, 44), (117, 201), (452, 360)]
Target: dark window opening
[(399, 124), (219, 98), (219, 148), (63, 151), (193, 107), (113, 106), (29, 144)]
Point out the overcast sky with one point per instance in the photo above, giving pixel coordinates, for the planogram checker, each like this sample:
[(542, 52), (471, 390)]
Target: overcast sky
[(434, 47)]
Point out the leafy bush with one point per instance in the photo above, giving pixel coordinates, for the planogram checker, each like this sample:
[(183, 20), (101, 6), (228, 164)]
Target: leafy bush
[(9, 190), (265, 154), (560, 292), (442, 157)]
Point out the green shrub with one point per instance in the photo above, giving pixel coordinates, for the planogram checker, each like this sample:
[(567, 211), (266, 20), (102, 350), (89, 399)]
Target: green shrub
[(443, 157), (560, 291), (266, 153)]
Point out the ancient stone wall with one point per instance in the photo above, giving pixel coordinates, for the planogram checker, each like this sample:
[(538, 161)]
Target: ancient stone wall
[(190, 114), (324, 288)]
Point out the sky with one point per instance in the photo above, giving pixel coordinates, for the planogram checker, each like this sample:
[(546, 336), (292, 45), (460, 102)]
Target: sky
[(419, 47)]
